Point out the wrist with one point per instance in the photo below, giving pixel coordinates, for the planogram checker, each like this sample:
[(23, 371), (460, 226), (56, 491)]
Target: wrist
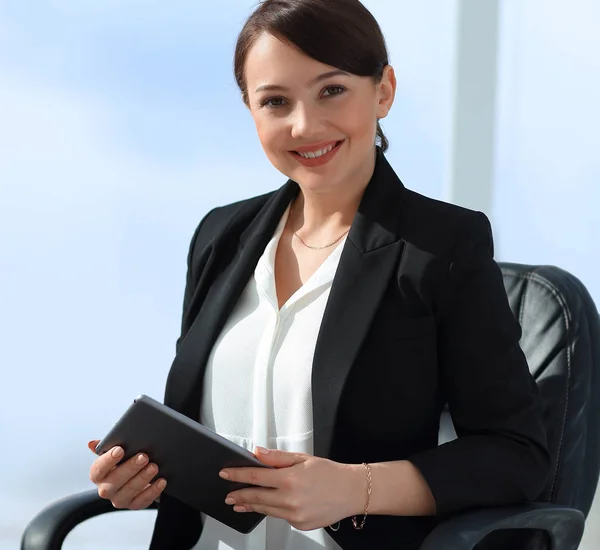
[(357, 490)]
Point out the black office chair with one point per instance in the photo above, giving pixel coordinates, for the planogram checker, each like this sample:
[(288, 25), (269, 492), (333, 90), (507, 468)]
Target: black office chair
[(561, 338)]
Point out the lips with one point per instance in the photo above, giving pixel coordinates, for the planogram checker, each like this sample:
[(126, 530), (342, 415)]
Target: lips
[(321, 148), (317, 147), (320, 154)]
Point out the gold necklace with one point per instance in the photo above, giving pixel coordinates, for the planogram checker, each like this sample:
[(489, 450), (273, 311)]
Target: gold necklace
[(319, 247)]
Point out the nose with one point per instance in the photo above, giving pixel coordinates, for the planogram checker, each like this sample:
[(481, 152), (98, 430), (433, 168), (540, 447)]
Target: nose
[(306, 122)]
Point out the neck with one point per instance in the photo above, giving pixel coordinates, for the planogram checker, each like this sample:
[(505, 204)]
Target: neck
[(324, 212)]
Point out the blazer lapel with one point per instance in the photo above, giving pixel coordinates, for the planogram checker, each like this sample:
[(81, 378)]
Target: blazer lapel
[(184, 385), (370, 256)]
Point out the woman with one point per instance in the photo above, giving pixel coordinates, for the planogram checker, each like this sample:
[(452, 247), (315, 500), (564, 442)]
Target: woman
[(331, 320)]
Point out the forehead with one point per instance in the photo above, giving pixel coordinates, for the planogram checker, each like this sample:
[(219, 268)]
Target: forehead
[(272, 61)]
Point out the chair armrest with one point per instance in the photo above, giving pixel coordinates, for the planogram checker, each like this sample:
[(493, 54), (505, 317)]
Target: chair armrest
[(464, 531), (50, 527)]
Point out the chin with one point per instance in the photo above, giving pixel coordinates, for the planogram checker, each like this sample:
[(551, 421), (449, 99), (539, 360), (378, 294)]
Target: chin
[(318, 184), (313, 179)]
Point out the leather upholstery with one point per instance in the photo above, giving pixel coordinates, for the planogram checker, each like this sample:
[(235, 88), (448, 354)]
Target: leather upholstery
[(561, 339)]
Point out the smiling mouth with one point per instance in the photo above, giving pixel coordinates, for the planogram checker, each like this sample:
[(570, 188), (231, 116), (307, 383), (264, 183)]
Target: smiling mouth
[(320, 152)]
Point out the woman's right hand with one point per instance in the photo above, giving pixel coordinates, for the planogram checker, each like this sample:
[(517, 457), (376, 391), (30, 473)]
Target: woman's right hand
[(127, 485)]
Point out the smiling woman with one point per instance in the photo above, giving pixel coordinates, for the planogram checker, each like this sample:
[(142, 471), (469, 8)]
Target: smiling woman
[(312, 100), (326, 324)]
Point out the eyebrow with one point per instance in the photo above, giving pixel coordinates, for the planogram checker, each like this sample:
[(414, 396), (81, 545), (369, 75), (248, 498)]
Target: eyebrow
[(321, 77)]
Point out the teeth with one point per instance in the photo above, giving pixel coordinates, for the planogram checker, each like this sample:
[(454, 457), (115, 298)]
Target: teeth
[(317, 154)]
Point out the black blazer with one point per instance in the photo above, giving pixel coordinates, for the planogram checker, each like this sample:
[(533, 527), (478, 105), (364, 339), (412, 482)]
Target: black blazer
[(417, 318)]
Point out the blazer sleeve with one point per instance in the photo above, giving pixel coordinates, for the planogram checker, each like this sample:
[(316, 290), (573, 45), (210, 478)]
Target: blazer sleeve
[(500, 456), (191, 279)]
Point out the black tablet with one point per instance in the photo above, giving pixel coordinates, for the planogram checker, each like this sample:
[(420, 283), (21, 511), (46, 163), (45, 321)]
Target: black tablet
[(189, 456)]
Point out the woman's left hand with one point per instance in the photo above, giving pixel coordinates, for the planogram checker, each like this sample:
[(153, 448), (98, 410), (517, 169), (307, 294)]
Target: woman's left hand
[(308, 492)]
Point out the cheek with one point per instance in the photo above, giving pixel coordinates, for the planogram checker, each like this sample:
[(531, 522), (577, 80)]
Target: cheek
[(270, 137), (268, 128), (359, 121)]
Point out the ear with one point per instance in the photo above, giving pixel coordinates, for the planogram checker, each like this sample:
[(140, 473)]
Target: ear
[(386, 92)]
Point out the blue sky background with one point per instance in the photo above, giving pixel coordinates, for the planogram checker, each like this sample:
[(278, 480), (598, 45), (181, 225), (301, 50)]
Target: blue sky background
[(120, 126)]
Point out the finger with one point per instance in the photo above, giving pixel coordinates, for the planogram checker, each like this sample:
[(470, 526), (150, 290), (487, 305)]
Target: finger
[(262, 477), (279, 459), (262, 496), (93, 444), (148, 495), (104, 464), (109, 483), (130, 490), (127, 470), (272, 511)]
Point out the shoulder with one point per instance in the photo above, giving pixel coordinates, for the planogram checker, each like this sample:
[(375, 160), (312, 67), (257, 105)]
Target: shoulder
[(434, 226), (442, 228), (221, 219), (449, 252)]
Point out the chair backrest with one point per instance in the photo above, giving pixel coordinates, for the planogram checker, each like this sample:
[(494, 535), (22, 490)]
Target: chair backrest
[(561, 339)]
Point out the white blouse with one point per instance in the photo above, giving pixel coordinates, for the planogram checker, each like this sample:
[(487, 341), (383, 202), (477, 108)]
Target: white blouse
[(257, 387)]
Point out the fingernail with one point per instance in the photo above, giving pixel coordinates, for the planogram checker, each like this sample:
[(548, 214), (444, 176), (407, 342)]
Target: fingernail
[(141, 459), (229, 500), (239, 509), (162, 484), (117, 452), (224, 474), (263, 451)]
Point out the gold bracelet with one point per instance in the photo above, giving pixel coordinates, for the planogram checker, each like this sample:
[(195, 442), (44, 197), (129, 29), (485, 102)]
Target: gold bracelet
[(369, 489)]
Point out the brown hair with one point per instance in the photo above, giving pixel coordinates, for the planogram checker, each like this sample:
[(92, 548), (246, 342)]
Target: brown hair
[(340, 33)]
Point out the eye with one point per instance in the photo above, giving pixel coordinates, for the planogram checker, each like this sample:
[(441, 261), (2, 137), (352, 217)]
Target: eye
[(333, 90), (272, 102)]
